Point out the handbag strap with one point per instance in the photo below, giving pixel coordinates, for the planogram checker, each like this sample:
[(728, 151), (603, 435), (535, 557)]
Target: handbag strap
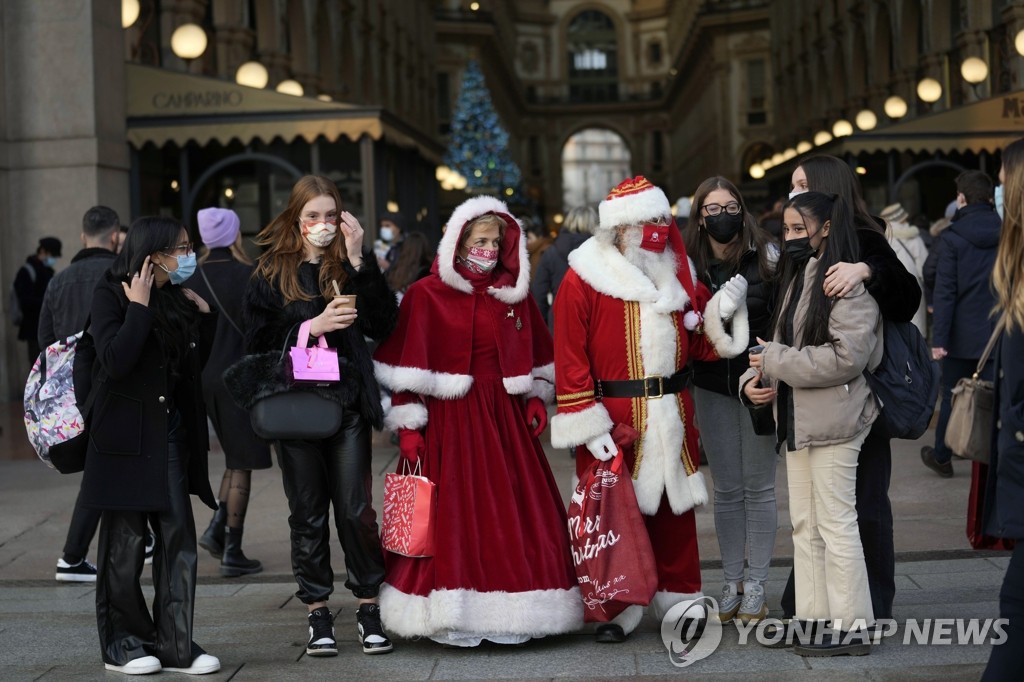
[(989, 346), (220, 306)]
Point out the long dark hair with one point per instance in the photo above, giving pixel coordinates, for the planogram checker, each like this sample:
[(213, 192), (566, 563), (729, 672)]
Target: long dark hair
[(841, 245), (832, 175), (1007, 277), (412, 263), (175, 317), (698, 243)]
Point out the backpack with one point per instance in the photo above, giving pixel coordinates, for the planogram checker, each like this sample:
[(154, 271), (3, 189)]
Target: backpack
[(906, 383), (14, 310), (58, 399)]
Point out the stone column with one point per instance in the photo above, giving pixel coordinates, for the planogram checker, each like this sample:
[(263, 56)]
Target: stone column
[(62, 136)]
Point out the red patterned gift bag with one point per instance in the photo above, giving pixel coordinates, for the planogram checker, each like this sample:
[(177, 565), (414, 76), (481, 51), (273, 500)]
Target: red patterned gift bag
[(409, 508)]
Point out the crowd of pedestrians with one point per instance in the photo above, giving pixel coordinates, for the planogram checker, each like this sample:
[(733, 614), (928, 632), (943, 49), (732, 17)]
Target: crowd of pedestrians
[(708, 331)]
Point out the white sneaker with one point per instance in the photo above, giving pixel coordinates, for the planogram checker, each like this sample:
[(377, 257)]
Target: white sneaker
[(150, 548), (144, 665), (202, 664)]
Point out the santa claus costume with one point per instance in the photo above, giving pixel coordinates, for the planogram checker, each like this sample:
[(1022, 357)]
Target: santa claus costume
[(629, 316), (469, 365)]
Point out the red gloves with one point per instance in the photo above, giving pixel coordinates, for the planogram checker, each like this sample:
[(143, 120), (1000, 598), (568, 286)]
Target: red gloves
[(536, 412), (411, 444)]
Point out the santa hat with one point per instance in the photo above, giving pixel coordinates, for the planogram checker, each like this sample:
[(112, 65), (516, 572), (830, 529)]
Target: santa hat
[(218, 226), (633, 201)]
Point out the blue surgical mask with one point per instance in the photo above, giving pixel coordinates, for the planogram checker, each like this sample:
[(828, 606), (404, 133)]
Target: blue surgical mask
[(186, 268), (387, 234), (50, 261), (999, 200)]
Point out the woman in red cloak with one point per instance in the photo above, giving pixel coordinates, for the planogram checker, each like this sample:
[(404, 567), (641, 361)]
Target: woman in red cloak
[(470, 368)]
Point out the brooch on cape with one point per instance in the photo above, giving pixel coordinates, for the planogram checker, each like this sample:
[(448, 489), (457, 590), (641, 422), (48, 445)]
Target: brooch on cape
[(512, 313)]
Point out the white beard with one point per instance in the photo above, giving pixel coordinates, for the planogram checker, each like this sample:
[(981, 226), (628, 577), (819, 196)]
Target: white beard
[(656, 266)]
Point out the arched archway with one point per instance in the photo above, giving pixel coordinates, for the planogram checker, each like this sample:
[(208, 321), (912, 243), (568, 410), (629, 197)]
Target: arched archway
[(593, 161)]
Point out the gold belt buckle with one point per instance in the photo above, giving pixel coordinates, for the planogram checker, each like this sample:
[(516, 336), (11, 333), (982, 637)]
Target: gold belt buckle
[(660, 385)]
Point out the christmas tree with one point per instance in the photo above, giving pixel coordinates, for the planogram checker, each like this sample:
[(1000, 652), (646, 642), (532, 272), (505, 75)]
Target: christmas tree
[(478, 148)]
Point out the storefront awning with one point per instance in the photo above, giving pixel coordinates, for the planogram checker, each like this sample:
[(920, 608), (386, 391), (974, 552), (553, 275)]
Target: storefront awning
[(166, 106), (987, 125)]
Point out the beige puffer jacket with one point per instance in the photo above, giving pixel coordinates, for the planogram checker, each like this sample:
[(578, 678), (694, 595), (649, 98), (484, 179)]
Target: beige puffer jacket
[(832, 402)]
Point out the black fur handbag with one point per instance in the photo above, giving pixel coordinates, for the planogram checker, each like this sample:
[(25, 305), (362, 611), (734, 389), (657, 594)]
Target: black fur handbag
[(281, 409)]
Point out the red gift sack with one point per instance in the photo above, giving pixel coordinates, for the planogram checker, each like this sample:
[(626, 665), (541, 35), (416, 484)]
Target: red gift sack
[(409, 508), (610, 547), (976, 513)]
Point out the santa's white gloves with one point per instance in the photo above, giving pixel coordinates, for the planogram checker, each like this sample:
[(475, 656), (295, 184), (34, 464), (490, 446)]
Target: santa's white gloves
[(602, 447), (733, 292)]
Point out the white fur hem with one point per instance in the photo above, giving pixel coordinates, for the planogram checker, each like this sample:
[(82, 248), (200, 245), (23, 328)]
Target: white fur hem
[(410, 416), (543, 389), (535, 613), (423, 381), (663, 601), (629, 619), (726, 345), (569, 429)]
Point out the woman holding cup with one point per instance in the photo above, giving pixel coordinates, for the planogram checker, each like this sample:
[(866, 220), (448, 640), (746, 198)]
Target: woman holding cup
[(314, 269)]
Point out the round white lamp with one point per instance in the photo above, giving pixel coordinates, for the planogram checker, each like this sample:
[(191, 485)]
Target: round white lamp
[(895, 107), (188, 41), (290, 87), (129, 12), (929, 90), (253, 75), (974, 70), (866, 120)]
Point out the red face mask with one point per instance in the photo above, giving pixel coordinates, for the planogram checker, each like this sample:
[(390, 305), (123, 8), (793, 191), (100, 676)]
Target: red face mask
[(655, 238)]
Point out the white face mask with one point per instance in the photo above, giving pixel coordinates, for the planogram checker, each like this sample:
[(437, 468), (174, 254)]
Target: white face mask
[(319, 234), (386, 234), (795, 192)]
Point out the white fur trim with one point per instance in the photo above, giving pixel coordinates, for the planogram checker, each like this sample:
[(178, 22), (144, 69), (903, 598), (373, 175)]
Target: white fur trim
[(423, 381), (726, 345), (518, 385), (569, 429), (535, 613), (633, 209), (663, 601), (629, 619), (545, 372), (465, 212), (543, 389), (408, 416), (661, 466), (603, 267)]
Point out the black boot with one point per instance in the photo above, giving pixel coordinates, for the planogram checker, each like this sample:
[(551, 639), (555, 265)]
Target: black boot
[(213, 539), (234, 563)]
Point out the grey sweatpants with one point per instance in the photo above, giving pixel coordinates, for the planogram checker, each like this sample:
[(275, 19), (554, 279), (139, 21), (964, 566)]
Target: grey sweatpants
[(743, 470)]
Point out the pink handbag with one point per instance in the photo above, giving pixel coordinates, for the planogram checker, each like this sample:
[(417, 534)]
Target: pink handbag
[(318, 364)]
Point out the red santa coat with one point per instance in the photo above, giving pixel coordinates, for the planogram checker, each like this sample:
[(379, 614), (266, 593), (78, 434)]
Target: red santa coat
[(613, 322)]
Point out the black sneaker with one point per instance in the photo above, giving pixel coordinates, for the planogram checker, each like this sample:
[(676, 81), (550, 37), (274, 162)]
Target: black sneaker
[(371, 632), (944, 469), (82, 572), (321, 633), (150, 548)]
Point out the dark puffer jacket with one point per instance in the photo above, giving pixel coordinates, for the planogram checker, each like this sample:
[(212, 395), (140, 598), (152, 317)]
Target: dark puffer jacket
[(552, 268), (722, 376)]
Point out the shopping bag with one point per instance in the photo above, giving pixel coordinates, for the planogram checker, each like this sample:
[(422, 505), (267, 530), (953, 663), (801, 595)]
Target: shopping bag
[(976, 516), (610, 546), (407, 527)]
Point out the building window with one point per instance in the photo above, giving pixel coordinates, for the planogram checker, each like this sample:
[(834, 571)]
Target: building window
[(756, 93), (593, 58), (654, 53)]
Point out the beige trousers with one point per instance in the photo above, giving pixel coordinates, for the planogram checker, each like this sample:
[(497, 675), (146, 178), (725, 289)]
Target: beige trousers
[(828, 559)]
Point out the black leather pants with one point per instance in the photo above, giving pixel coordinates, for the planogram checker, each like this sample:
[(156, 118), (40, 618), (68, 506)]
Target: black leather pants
[(127, 629), (317, 474), (82, 529)]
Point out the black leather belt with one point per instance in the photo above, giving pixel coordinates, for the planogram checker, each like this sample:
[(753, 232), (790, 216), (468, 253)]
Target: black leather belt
[(648, 387)]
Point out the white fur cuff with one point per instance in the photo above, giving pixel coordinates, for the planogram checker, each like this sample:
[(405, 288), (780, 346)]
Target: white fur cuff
[(726, 345), (423, 381), (542, 389), (663, 601), (410, 416), (569, 429)]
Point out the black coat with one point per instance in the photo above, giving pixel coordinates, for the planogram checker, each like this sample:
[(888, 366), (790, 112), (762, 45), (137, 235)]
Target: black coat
[(126, 461), (551, 269), (722, 376), (893, 287), (229, 279), (30, 291), (963, 300), (268, 322), (1004, 497)]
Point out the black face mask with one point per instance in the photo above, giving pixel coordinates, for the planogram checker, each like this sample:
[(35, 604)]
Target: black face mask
[(800, 249), (723, 227)]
